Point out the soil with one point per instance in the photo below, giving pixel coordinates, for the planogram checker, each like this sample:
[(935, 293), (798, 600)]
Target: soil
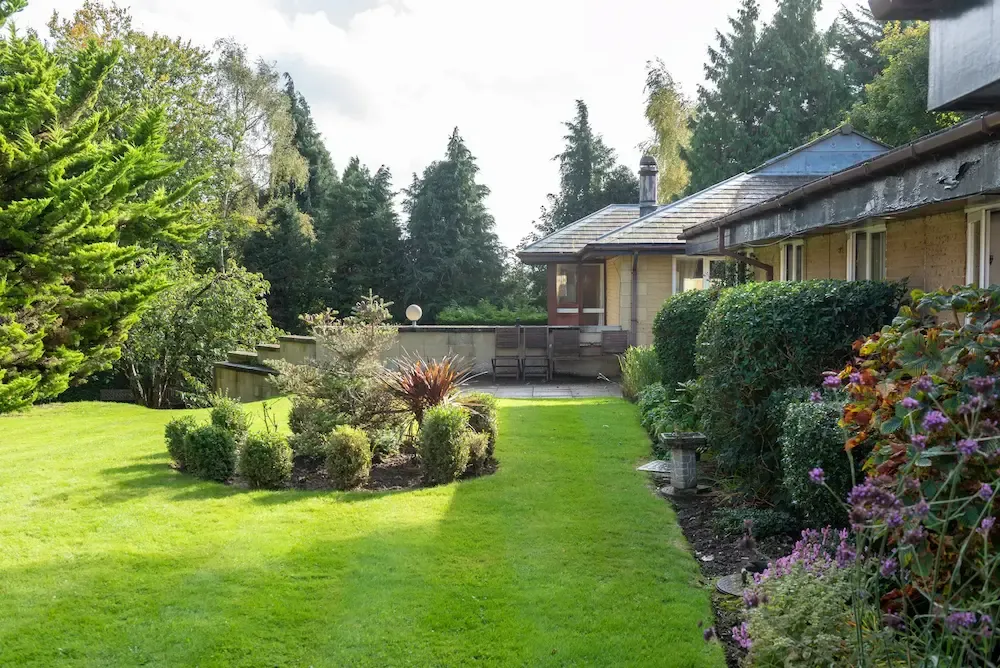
[(720, 555), (396, 472)]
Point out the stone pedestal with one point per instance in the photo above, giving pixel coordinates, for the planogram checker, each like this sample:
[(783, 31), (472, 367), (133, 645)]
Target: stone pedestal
[(683, 448)]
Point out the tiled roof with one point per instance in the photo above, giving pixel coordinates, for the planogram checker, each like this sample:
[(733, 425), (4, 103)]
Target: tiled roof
[(665, 224), (573, 237)]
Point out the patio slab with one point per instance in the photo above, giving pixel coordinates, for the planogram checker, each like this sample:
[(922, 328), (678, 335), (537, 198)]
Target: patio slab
[(555, 390)]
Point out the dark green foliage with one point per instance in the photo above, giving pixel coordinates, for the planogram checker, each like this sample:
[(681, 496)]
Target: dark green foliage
[(80, 209), (349, 457), (228, 414), (764, 522), (763, 337), (810, 438), (210, 453), (855, 35), (443, 452), (266, 460), (311, 424), (175, 434), (483, 409), (477, 445), (661, 412), (674, 331), (485, 313), (385, 443)]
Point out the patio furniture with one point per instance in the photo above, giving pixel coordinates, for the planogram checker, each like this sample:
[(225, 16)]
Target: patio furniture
[(614, 342), (535, 362), (507, 353), (565, 346)]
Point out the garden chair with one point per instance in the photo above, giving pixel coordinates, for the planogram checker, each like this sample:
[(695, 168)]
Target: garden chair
[(565, 346), (507, 352), (614, 342), (535, 362)]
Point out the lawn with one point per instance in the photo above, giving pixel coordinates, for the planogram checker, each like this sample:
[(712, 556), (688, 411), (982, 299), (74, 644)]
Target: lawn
[(563, 557)]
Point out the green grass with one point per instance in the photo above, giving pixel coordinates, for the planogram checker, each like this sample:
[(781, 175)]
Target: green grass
[(564, 557)]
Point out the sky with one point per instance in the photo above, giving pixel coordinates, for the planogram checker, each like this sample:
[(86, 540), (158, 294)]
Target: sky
[(388, 80)]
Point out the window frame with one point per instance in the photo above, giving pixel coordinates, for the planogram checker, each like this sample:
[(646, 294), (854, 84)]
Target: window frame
[(706, 271), (577, 305), (797, 245), (852, 241)]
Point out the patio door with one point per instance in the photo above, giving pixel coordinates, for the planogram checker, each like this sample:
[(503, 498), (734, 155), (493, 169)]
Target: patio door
[(982, 262)]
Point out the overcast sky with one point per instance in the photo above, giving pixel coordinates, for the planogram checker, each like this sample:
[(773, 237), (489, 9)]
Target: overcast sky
[(387, 80)]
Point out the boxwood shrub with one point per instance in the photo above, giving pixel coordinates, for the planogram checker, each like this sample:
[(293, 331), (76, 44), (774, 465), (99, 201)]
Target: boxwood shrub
[(674, 330), (175, 434), (349, 457), (443, 451), (266, 460), (763, 337), (210, 452), (228, 414), (483, 408)]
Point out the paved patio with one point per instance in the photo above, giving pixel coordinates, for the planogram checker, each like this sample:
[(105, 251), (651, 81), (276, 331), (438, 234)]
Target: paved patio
[(552, 390)]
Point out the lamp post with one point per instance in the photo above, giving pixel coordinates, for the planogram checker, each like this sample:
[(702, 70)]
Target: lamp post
[(414, 313)]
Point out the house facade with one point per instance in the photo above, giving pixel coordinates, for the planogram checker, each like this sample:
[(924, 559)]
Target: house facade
[(618, 265)]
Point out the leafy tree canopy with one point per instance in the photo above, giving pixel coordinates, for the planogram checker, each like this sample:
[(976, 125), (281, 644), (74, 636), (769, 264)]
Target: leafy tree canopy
[(669, 115)]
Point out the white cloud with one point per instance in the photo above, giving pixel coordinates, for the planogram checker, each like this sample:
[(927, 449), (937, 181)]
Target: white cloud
[(390, 81)]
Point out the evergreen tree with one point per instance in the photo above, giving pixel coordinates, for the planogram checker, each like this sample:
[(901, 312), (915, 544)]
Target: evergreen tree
[(453, 251), (669, 115), (79, 209), (854, 36)]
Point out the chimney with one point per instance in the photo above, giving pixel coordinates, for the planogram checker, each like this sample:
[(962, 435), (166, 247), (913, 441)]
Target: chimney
[(647, 184)]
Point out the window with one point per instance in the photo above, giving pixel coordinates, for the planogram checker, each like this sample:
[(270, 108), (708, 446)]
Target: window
[(566, 284), (866, 254), (693, 273), (580, 288), (793, 260), (983, 247)]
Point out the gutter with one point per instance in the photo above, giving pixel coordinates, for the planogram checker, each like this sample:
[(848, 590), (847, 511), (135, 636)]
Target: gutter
[(986, 125)]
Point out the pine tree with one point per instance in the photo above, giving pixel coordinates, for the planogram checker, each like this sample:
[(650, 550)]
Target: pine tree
[(78, 213), (855, 35), (669, 115), (453, 251)]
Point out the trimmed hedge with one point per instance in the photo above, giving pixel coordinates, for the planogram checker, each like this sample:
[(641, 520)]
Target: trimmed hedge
[(266, 460), (674, 331), (443, 451), (228, 414), (210, 452), (349, 457), (483, 416), (763, 337), (477, 444), (485, 313), (175, 434)]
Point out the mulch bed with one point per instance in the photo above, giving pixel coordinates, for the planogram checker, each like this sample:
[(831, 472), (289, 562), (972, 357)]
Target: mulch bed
[(720, 555), (398, 472)]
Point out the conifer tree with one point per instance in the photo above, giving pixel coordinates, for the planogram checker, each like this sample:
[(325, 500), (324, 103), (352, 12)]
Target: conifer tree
[(78, 212)]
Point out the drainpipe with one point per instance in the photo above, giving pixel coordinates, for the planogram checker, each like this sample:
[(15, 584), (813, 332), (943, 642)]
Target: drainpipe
[(753, 262), (634, 333)]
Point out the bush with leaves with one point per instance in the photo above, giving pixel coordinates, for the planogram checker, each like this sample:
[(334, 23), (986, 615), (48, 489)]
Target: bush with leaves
[(175, 435), (444, 453), (762, 522), (349, 457), (266, 460), (386, 443), (485, 313), (211, 453), (420, 384), (661, 413), (674, 330), (228, 414), (477, 445), (483, 408), (763, 337), (640, 368)]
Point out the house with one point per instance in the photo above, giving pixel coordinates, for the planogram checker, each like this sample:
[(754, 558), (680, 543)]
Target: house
[(927, 212), (618, 265)]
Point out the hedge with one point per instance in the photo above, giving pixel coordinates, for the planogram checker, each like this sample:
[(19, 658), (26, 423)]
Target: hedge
[(485, 313), (763, 337), (674, 331)]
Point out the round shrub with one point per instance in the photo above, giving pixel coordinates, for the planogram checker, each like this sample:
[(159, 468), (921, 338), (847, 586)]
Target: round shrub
[(483, 417), (763, 337), (228, 414), (266, 460), (349, 457), (211, 453), (477, 444), (674, 330), (443, 452), (175, 434), (812, 438)]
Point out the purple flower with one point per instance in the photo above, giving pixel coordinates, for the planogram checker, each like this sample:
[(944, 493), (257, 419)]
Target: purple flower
[(914, 536), (708, 633), (969, 407), (985, 626), (920, 509), (815, 397), (960, 620), (889, 567), (741, 634), (967, 447), (919, 441), (893, 621), (986, 526), (909, 403), (870, 502), (985, 492), (982, 384), (831, 381), (855, 377), (750, 598), (925, 384), (817, 476), (894, 519), (935, 421)]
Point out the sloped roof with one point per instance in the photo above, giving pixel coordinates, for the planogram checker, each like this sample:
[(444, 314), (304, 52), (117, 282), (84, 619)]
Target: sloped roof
[(572, 238)]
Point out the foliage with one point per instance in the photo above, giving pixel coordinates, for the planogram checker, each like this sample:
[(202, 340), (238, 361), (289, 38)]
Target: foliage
[(477, 445), (730, 272), (640, 369), (266, 460), (210, 452), (453, 250), (349, 457), (855, 36), (483, 408), (811, 437), (228, 414), (674, 330), (80, 208), (668, 113), (763, 337), (385, 443), (170, 354), (485, 313), (763, 522), (345, 386), (175, 434), (589, 178), (894, 108), (444, 453), (661, 412), (421, 384)]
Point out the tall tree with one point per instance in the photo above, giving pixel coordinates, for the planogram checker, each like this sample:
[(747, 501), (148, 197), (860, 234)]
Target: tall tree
[(894, 108), (668, 113), (589, 177), (854, 35), (453, 250), (79, 209)]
